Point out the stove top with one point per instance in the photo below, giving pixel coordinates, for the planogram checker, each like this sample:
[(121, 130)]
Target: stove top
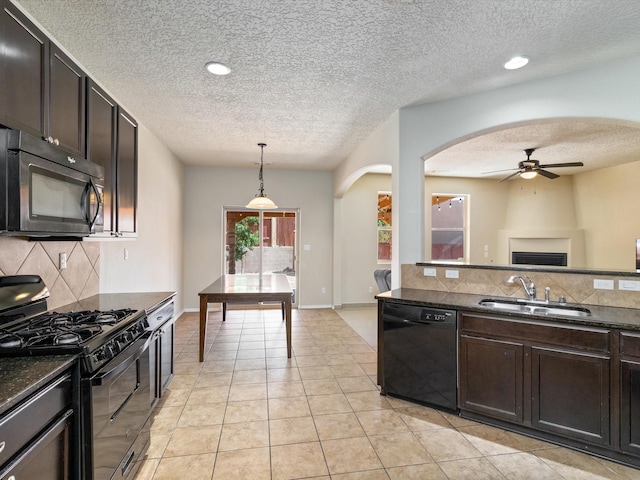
[(26, 328), (50, 329)]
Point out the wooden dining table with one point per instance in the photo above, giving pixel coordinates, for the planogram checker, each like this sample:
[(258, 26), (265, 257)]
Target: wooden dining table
[(246, 288)]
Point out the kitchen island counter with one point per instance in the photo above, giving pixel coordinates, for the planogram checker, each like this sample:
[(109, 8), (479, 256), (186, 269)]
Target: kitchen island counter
[(601, 316)]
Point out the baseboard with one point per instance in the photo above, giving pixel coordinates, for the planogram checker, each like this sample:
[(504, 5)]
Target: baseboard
[(359, 305), (311, 307)]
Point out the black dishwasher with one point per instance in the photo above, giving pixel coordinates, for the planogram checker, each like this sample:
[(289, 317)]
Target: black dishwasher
[(420, 354)]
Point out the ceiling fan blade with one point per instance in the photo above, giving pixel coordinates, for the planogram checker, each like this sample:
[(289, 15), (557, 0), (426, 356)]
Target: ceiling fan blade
[(500, 171), (512, 175), (544, 173), (568, 164)]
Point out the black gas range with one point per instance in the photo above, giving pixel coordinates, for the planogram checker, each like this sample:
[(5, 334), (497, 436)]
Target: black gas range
[(112, 347), (97, 336)]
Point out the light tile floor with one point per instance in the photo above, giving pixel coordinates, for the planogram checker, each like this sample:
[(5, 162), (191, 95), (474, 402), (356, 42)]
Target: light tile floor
[(249, 412)]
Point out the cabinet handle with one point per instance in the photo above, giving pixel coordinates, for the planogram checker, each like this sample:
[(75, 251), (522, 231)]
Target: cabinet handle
[(2, 445)]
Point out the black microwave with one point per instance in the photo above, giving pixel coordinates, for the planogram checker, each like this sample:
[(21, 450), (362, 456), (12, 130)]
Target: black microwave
[(46, 192)]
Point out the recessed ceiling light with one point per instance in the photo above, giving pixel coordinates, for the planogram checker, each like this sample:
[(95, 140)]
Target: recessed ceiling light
[(516, 62), (218, 68)]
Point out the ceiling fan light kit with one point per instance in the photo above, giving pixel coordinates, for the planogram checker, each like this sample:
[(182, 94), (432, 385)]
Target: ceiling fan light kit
[(531, 168)]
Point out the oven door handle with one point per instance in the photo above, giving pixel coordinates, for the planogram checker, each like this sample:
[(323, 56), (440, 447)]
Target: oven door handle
[(129, 354)]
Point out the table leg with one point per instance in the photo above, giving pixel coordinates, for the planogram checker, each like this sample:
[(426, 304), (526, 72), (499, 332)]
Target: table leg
[(287, 308), (204, 303)]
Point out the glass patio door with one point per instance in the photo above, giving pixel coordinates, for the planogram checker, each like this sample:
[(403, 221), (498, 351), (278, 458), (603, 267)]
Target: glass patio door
[(261, 241)]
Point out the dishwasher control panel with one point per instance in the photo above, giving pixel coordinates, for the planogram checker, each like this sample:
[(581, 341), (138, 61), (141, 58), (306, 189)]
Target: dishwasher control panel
[(436, 315)]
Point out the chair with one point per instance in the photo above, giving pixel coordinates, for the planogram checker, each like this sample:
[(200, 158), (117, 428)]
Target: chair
[(383, 279)]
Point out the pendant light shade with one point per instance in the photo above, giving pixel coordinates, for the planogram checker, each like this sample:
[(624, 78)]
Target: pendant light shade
[(261, 201)]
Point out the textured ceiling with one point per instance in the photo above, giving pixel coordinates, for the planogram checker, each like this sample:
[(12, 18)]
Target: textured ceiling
[(314, 78)]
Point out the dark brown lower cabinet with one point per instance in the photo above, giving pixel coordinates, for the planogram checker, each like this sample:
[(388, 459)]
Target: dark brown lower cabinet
[(553, 378), (630, 392), (491, 376), (570, 394)]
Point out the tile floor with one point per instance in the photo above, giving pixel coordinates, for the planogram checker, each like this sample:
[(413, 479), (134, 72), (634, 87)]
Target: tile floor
[(249, 412)]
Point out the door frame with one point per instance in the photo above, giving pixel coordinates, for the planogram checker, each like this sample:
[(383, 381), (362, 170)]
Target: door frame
[(296, 248)]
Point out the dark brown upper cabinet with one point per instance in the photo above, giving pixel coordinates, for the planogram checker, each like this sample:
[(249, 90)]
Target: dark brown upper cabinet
[(102, 116), (43, 90), (112, 141), (126, 174)]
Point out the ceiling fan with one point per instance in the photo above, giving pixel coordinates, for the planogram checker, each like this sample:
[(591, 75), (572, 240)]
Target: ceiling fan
[(530, 168)]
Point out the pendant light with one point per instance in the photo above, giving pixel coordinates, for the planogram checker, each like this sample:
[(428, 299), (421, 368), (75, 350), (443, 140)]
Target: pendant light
[(261, 201)]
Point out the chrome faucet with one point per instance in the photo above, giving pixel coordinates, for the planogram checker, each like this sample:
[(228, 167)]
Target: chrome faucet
[(529, 290)]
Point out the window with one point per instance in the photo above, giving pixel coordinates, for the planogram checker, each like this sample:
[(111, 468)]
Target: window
[(448, 227), (384, 227)]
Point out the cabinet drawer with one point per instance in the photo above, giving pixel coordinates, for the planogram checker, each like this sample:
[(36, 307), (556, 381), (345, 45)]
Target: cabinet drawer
[(20, 425), (630, 344), (571, 336)]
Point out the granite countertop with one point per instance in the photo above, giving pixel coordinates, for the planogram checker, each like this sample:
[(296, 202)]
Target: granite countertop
[(22, 376), (601, 316), (147, 301)]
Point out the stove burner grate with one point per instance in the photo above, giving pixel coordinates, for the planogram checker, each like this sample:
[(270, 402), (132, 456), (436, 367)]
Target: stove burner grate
[(53, 329)]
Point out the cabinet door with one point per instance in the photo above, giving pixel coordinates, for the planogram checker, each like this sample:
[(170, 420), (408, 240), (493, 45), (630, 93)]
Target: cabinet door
[(102, 114), (67, 103), (570, 394), (491, 377), (630, 406), (127, 173), (24, 56), (167, 334)]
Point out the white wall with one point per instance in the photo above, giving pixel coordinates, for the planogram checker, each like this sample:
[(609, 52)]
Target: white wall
[(208, 189), (359, 238), (155, 256)]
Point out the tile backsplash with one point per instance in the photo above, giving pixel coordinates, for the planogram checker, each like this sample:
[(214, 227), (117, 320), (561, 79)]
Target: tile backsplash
[(80, 279), (576, 287)]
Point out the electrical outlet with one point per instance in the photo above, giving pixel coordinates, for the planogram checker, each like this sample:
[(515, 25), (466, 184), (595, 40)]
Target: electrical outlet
[(630, 285), (451, 273), (429, 272), (324, 290), (62, 263), (602, 284), (370, 289), (126, 254)]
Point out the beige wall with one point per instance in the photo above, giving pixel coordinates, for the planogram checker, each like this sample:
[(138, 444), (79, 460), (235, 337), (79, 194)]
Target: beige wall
[(359, 238), (208, 189), (607, 201), (488, 201), (155, 257)]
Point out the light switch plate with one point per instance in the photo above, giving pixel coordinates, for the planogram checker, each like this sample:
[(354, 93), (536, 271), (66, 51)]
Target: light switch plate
[(631, 285), (452, 273), (602, 284), (429, 272)]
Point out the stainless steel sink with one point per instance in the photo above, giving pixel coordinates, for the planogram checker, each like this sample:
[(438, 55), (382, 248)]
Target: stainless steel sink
[(535, 307)]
